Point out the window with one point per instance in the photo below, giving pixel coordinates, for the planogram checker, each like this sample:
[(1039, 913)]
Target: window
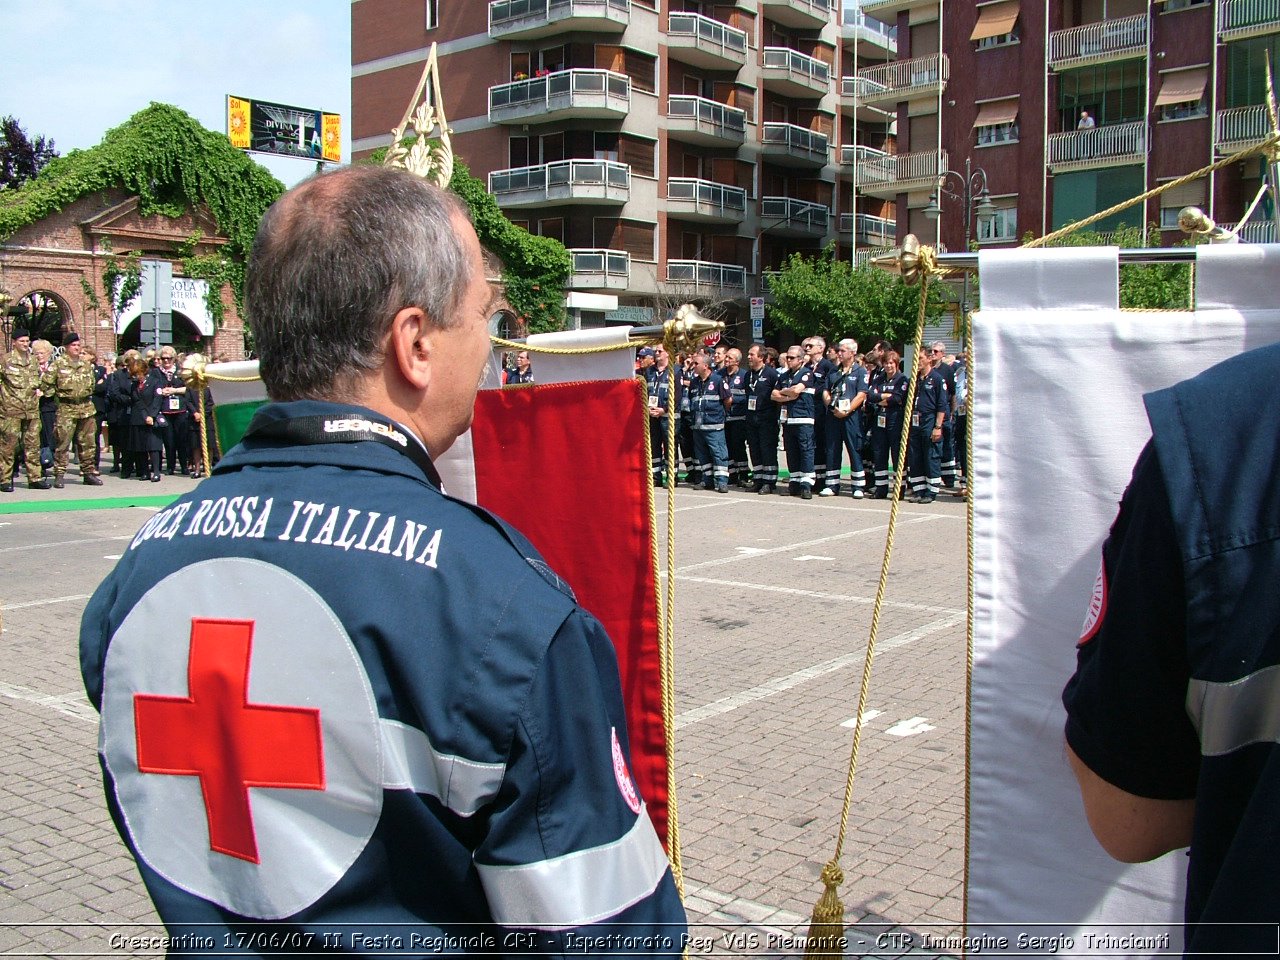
[(1246, 69), (1183, 4), (997, 25), (433, 14), (1004, 39), (1112, 93), (997, 133), (997, 122), (1182, 93), (1173, 200), (1184, 111), (1001, 227)]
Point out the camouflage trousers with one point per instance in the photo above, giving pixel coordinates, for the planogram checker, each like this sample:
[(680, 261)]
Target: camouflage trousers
[(84, 430), (13, 430)]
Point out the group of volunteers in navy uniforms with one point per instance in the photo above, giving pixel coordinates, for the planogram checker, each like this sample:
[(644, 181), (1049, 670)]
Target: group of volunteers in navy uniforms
[(824, 411)]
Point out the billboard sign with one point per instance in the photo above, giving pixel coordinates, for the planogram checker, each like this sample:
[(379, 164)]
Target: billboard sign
[(284, 131)]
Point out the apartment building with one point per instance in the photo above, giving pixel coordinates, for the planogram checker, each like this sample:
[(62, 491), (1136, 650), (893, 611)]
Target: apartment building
[(680, 151), (1066, 107)]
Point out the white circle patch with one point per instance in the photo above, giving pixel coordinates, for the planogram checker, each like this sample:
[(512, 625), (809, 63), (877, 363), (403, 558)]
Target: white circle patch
[(240, 728)]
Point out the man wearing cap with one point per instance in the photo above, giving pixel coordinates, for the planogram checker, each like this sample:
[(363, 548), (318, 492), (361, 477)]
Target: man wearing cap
[(70, 379), (20, 413)]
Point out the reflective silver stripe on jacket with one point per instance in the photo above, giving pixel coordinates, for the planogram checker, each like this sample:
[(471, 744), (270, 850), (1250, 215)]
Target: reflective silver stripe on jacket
[(578, 888), (410, 762), (1232, 715)]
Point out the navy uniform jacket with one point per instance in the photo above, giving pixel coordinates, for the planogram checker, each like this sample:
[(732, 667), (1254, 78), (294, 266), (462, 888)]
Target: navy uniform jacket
[(842, 386), (760, 386), (658, 385), (707, 400), (737, 384), (931, 396), (515, 376), (332, 695), (1174, 691), (895, 389), (800, 410)]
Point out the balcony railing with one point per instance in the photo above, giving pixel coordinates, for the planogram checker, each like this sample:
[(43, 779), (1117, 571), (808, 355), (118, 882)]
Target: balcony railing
[(1240, 127), (799, 143), (876, 230), (896, 171), (704, 275), (575, 92), (856, 19), (708, 118), (857, 153), (864, 255), (706, 198), (801, 216), (564, 180), (610, 269), (534, 18), (719, 40), (799, 71), (1255, 231), (1111, 145), (1105, 40), (903, 79), (1244, 18)]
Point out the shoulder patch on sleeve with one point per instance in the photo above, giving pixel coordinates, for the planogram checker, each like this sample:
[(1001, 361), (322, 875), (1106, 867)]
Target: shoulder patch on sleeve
[(1097, 606)]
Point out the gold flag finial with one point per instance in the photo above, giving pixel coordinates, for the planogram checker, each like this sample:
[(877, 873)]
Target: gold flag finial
[(431, 159)]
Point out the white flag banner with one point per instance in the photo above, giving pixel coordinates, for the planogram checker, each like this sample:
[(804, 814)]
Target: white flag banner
[(1058, 420)]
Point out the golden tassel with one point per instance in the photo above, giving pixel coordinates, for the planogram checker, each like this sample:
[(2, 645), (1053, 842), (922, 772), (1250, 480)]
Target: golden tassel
[(826, 928)]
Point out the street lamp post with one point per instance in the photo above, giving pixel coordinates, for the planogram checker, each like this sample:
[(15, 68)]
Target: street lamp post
[(975, 198)]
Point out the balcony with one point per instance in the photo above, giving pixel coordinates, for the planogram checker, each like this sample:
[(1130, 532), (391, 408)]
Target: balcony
[(921, 78), (851, 154), (872, 36), (789, 217), (864, 256), (869, 230), (1240, 127), (565, 181), (888, 10), (703, 42), (794, 74), (531, 19), (792, 146), (853, 100), (1238, 19), (707, 279), (801, 14), (705, 200), (600, 269), (563, 95), (1114, 145), (891, 174), (1121, 39), (705, 122)]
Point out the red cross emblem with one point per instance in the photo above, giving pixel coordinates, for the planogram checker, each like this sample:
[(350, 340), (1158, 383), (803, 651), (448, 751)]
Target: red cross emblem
[(216, 734)]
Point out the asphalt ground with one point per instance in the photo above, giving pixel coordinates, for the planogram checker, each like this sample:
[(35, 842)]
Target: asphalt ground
[(773, 607)]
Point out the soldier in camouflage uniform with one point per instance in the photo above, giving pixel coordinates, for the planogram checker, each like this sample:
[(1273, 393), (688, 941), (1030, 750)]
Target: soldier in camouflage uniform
[(70, 379), (20, 413)]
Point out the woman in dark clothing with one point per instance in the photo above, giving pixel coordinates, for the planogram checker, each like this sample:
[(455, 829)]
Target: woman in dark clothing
[(144, 439), (119, 400)]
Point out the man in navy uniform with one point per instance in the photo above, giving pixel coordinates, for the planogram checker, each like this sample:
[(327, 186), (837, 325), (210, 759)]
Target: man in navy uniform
[(657, 381), (762, 418), (382, 715), (815, 351), (709, 403), (735, 428), (795, 395), (843, 396), (1172, 728), (924, 456)]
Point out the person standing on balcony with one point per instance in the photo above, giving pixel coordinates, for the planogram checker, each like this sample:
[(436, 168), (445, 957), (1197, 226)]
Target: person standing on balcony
[(1086, 121)]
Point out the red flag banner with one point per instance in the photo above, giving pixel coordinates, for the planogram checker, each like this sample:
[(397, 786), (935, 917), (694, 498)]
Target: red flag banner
[(565, 464)]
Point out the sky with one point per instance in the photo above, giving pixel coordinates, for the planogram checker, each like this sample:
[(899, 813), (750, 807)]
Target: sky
[(73, 69)]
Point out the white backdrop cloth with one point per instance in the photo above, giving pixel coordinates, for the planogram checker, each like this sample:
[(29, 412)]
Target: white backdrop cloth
[(1058, 420)]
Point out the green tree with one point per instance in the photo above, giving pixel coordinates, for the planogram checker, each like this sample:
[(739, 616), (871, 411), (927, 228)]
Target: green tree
[(1143, 286), (21, 158), (828, 296)]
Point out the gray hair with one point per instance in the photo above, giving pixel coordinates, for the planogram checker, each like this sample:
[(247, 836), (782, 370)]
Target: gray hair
[(848, 344), (334, 260)]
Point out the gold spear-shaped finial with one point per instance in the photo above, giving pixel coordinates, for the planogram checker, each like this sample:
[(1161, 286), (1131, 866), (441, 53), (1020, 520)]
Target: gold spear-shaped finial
[(431, 159)]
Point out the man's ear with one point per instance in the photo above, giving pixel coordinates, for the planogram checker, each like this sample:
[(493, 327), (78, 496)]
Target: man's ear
[(411, 345)]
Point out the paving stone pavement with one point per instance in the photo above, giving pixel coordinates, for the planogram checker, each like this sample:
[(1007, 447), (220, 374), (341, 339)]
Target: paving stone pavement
[(773, 606)]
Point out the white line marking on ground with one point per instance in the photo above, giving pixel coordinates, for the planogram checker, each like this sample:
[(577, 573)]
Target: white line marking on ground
[(71, 705), (42, 603), (662, 507), (819, 594), (781, 684), (808, 556), (867, 717), (64, 543), (113, 556), (910, 727), (751, 551), (878, 528)]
